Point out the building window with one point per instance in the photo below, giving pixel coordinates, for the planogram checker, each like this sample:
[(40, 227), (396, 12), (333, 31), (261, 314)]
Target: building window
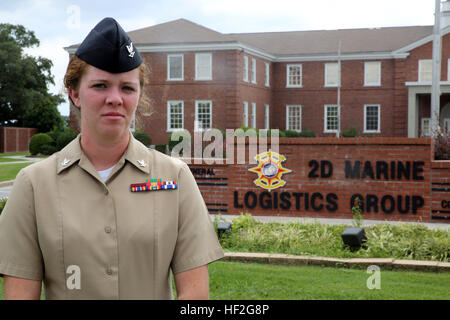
[(175, 67), (266, 117), (133, 123), (372, 73), (294, 117), (245, 120), (203, 66), (245, 68), (175, 115), (203, 115), (331, 119), (294, 75), (426, 132), (254, 115), (331, 75), (267, 75), (254, 70), (371, 118), (425, 70)]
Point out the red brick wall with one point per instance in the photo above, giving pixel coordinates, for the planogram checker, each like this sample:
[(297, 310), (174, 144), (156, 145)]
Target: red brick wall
[(440, 186), (14, 139), (218, 188)]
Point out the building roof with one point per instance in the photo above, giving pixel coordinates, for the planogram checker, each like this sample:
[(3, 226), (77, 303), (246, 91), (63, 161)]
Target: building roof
[(281, 44)]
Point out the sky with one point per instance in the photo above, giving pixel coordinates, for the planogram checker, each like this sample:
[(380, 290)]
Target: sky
[(61, 23)]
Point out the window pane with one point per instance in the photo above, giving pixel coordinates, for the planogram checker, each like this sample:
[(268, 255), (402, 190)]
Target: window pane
[(372, 73), (203, 115), (332, 117), (372, 114), (295, 76), (294, 118), (425, 70), (175, 67), (176, 115), (331, 74), (203, 66)]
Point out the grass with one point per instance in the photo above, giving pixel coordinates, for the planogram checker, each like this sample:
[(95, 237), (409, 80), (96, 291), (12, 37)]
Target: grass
[(10, 171), (3, 159), (8, 154), (250, 281), (404, 241), (231, 280)]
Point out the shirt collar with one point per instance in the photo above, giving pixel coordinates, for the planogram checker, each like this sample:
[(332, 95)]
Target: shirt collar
[(136, 153)]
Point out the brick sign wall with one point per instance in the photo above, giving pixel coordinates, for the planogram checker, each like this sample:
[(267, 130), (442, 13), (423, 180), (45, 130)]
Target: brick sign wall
[(13, 139), (391, 176)]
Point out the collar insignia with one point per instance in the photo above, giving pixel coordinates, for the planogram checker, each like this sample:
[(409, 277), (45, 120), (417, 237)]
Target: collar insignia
[(142, 163), (153, 185), (130, 50), (65, 162)]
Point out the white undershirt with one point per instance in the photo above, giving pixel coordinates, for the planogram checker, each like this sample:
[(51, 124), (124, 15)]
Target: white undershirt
[(104, 174)]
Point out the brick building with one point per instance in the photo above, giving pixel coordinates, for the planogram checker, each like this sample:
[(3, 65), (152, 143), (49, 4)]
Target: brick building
[(289, 80)]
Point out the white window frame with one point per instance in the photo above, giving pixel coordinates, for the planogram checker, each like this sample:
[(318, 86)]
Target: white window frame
[(245, 120), (288, 107), (288, 84), (254, 115), (267, 117), (245, 69), (267, 68), (326, 83), (448, 70), (424, 133), (197, 57), (197, 102), (169, 115), (253, 70), (365, 118), (420, 71), (168, 67), (133, 122), (372, 84), (325, 118)]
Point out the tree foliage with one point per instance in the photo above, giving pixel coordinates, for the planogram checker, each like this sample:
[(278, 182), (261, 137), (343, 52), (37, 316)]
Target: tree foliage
[(24, 96)]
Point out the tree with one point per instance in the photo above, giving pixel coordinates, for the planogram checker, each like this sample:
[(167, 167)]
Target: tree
[(24, 96)]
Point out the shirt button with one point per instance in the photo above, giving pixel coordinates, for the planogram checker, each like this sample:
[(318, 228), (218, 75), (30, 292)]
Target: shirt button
[(106, 191), (109, 271), (108, 229)]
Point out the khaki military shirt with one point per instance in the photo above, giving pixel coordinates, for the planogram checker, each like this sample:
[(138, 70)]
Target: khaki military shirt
[(62, 221)]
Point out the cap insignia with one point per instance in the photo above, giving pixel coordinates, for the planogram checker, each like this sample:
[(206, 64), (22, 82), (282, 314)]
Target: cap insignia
[(130, 50)]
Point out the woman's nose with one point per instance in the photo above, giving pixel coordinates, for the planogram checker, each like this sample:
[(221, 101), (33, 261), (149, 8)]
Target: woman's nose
[(114, 97)]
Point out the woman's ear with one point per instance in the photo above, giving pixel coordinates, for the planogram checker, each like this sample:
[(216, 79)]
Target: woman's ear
[(75, 97)]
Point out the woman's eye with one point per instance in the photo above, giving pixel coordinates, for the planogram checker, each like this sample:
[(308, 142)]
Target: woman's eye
[(99, 85), (127, 88)]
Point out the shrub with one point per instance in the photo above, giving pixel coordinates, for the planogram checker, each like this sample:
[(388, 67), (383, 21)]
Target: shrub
[(307, 134), (161, 147), (442, 146), (2, 204), (349, 133), (143, 137), (64, 137), (38, 141), (291, 134)]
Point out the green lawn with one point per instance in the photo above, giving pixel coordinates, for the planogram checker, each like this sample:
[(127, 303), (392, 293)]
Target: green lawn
[(9, 171), (8, 154), (250, 281), (231, 280), (4, 159)]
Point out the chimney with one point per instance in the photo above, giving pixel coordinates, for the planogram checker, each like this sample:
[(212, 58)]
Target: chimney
[(445, 14)]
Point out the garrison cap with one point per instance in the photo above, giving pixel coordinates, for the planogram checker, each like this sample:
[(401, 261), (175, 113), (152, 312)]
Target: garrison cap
[(109, 48)]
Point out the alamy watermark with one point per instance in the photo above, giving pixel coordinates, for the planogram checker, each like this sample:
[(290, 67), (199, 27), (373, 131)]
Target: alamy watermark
[(374, 281), (74, 20), (221, 147)]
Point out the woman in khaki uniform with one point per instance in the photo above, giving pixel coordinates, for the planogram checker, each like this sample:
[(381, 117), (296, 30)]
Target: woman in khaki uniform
[(84, 221)]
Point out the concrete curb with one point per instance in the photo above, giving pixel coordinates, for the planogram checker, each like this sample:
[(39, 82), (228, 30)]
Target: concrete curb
[(293, 260), (6, 183)]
